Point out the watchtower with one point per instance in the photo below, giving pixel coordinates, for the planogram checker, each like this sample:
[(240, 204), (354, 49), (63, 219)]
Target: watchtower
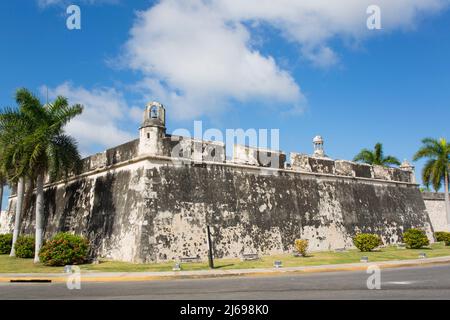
[(153, 129), (318, 146)]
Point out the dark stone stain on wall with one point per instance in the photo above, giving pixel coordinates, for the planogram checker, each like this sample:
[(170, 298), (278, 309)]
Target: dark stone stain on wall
[(49, 206), (72, 197), (400, 175), (363, 171), (321, 165), (100, 222)]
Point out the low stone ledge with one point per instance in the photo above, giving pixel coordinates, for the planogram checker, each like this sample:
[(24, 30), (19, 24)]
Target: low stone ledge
[(439, 196)]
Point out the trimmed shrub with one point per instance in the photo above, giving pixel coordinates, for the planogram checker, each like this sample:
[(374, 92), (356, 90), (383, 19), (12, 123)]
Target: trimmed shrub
[(301, 245), (63, 249), (447, 239), (443, 236), (24, 247), (415, 238), (366, 242), (5, 243)]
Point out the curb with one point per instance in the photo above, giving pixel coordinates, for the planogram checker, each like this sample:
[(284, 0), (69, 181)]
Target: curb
[(207, 274)]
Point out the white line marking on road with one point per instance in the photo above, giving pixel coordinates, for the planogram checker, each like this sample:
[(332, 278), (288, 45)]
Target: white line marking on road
[(401, 282)]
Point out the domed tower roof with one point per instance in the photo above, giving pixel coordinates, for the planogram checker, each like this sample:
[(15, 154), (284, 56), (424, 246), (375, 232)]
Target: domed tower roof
[(154, 115), (406, 165), (318, 147), (318, 139)]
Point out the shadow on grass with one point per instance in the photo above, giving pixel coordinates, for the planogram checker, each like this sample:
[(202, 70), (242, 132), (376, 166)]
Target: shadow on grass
[(300, 256), (224, 266)]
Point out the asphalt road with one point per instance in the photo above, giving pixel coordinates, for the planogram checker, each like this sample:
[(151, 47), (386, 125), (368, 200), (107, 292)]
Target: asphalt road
[(431, 282)]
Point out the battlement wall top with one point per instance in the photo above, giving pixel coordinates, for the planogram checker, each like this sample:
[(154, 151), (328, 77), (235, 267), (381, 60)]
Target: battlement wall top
[(306, 163), (214, 151)]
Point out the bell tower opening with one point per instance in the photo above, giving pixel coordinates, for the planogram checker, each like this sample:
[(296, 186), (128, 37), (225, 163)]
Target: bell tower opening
[(153, 129), (318, 147)]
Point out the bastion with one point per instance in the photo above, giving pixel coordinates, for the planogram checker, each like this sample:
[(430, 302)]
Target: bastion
[(151, 199)]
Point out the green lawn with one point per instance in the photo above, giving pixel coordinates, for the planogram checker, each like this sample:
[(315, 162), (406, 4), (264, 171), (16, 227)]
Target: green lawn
[(17, 265)]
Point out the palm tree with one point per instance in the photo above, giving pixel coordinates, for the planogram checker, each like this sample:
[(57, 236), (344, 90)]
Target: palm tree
[(13, 127), (376, 157), (437, 168), (44, 149)]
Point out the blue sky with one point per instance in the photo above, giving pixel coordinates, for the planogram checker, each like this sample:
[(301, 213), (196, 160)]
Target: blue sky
[(304, 67)]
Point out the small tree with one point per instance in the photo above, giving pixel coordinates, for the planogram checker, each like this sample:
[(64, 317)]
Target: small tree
[(301, 245)]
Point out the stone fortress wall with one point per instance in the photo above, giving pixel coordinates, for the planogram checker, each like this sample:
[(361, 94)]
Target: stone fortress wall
[(151, 199), (434, 202)]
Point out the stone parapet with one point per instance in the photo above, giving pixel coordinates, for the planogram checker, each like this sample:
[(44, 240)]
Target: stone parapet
[(306, 163)]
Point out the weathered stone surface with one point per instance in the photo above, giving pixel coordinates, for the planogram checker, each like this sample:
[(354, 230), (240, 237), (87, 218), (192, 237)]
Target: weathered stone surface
[(362, 170), (321, 165), (148, 211), (245, 155), (380, 172), (264, 158), (6, 221), (434, 202), (193, 149), (300, 162), (344, 168), (124, 152)]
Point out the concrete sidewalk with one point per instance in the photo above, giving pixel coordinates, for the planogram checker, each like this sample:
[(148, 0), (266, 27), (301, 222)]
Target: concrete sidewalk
[(92, 276)]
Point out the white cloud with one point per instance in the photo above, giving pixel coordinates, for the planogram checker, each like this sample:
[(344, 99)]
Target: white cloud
[(192, 57), (98, 125), (313, 22), (198, 56), (48, 3), (136, 114)]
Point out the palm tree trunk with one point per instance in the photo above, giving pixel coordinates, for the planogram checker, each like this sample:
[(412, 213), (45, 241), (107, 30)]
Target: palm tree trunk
[(39, 215), (19, 201), (1, 195), (447, 201), (28, 194)]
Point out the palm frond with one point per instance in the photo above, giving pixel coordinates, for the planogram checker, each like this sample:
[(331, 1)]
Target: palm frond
[(438, 165), (429, 149), (32, 140), (63, 156), (365, 156), (391, 160), (378, 153), (63, 114), (437, 175)]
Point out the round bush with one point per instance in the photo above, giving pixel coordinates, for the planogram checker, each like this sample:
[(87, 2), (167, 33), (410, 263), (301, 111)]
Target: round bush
[(63, 249), (5, 243), (366, 242), (24, 247), (446, 238), (415, 238), (442, 236)]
